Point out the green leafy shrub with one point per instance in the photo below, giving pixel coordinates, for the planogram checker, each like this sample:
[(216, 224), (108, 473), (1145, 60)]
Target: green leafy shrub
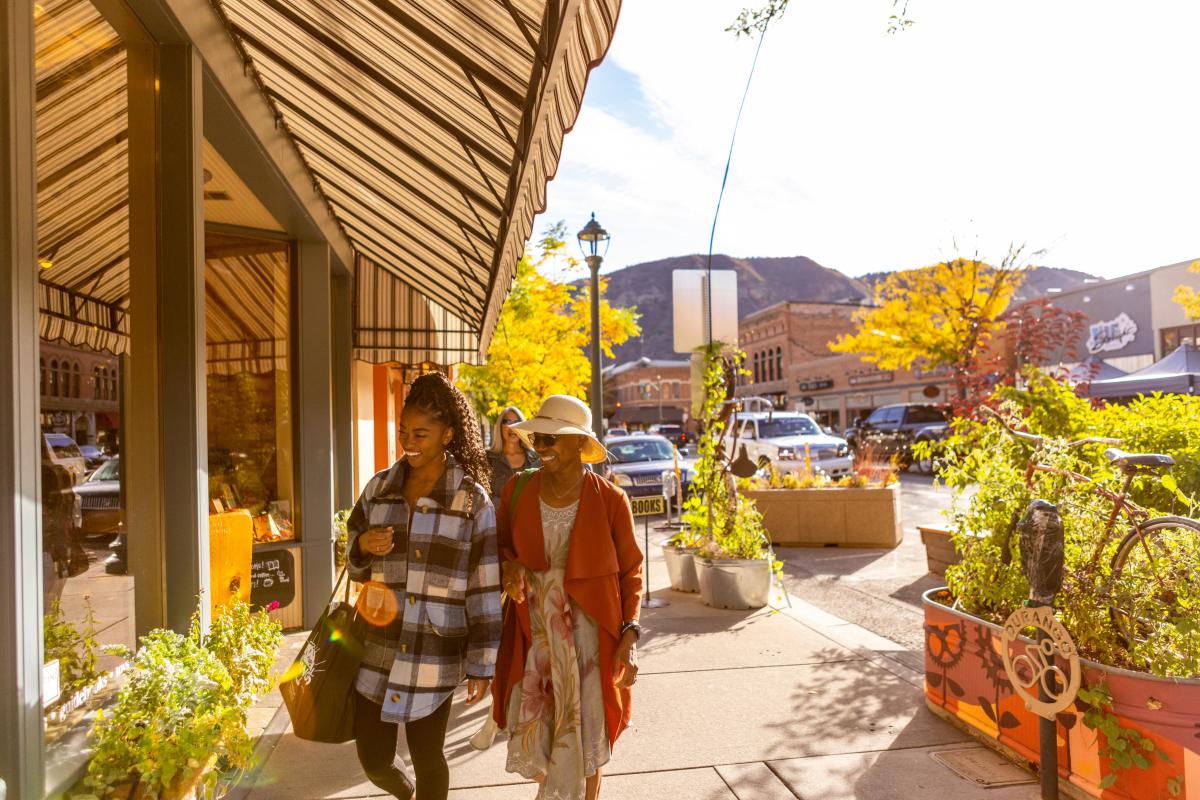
[(987, 467), (184, 702)]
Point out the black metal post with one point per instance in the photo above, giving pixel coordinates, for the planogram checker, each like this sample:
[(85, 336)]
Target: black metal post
[(1047, 739), (647, 600), (593, 262)]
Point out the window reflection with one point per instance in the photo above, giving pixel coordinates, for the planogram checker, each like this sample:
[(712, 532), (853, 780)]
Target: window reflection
[(248, 327), (82, 268)]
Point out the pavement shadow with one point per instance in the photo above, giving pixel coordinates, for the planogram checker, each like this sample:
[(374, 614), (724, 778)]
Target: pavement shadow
[(860, 705)]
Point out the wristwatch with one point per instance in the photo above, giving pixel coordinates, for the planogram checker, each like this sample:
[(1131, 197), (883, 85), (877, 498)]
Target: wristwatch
[(631, 625)]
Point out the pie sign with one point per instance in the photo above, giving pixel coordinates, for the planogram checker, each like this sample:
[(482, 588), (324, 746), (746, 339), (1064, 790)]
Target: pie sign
[(1041, 665)]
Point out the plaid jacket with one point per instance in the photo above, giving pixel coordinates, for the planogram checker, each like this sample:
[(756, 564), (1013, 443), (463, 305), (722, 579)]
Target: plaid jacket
[(434, 601)]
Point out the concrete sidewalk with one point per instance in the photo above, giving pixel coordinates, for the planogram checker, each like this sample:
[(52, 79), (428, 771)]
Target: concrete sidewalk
[(730, 705)]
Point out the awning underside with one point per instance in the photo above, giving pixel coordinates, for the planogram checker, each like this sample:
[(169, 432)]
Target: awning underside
[(431, 128)]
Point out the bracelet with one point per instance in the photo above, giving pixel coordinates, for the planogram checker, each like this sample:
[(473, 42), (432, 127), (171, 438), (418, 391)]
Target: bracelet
[(631, 625)]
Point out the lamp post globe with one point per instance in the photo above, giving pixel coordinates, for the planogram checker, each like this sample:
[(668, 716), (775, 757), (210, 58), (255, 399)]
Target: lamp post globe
[(594, 241)]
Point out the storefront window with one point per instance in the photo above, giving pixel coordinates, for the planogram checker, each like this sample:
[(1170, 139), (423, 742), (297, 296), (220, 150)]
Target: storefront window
[(1184, 334), (82, 268), (248, 335)]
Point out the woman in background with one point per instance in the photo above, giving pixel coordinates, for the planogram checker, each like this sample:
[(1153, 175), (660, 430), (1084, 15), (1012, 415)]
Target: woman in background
[(508, 455)]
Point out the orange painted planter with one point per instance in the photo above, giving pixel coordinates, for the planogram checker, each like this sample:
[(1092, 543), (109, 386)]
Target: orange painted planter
[(965, 679)]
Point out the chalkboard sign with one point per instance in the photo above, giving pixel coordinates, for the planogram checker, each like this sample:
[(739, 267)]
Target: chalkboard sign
[(272, 578)]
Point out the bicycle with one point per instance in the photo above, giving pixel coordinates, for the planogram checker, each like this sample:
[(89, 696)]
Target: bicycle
[(1149, 554)]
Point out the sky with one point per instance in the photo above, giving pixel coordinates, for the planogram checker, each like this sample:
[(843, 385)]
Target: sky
[(1070, 128)]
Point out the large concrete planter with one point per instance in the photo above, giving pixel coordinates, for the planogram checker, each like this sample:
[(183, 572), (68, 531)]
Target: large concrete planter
[(681, 567), (736, 584), (819, 517), (965, 683)]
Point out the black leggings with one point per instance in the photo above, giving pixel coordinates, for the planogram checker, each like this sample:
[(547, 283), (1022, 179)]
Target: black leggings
[(376, 744)]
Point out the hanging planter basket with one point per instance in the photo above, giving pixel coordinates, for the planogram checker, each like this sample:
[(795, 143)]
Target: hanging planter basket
[(735, 584), (681, 567)]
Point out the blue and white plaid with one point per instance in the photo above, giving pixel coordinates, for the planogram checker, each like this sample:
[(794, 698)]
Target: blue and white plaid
[(444, 582)]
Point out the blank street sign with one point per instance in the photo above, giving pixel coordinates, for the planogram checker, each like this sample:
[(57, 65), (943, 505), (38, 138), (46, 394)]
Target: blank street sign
[(691, 317)]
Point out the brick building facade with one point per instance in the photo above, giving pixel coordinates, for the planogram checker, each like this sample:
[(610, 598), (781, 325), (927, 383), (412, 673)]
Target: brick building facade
[(789, 362), (646, 392)]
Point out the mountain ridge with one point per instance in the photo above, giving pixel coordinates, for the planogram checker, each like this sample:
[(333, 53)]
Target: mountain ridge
[(762, 281)]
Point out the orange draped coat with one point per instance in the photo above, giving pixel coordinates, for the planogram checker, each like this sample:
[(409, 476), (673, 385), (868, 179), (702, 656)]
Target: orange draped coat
[(604, 578)]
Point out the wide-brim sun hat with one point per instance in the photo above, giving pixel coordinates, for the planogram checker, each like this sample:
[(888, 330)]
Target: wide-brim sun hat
[(563, 415)]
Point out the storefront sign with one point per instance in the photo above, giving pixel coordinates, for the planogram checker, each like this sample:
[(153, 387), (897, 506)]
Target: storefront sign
[(814, 386), (1105, 337), (273, 578), (871, 377)]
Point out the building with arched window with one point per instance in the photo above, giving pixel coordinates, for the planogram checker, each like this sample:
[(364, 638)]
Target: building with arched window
[(78, 394)]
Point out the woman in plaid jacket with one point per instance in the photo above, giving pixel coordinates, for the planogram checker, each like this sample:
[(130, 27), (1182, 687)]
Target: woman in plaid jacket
[(423, 539)]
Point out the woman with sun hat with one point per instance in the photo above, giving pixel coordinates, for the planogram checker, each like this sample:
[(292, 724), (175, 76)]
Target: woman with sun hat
[(573, 572)]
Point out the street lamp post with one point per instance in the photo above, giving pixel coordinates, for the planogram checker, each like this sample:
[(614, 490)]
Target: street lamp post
[(590, 239)]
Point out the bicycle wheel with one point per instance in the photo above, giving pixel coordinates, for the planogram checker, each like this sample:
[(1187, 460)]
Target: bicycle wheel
[(1155, 567)]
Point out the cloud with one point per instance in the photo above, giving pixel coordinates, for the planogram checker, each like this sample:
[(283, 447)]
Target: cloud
[(1053, 124)]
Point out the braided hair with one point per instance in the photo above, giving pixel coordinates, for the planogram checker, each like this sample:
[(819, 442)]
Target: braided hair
[(435, 395)]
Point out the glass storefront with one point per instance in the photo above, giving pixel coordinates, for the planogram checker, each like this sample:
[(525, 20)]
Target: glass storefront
[(83, 251)]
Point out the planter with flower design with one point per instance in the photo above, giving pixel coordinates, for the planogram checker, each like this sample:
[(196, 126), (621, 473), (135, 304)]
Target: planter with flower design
[(966, 684)]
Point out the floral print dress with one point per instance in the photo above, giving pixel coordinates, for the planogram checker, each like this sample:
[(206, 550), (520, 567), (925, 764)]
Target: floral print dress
[(556, 713)]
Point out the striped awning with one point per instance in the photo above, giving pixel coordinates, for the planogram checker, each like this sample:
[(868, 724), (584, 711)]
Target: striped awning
[(83, 186), (395, 323), (432, 129)]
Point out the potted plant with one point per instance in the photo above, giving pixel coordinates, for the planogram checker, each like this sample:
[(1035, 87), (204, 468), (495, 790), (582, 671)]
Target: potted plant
[(679, 552), (179, 721), (724, 540), (1132, 730), (734, 569)]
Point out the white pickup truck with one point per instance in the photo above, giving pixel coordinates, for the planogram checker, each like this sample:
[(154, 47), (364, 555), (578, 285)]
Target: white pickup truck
[(784, 438)]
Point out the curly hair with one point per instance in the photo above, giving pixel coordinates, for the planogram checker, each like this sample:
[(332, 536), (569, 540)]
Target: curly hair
[(435, 395)]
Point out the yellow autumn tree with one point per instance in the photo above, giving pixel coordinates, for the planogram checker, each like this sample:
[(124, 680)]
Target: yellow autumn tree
[(541, 339), (1188, 297), (941, 315)]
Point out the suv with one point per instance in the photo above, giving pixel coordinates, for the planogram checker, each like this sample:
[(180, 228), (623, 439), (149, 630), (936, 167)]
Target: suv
[(891, 431), (779, 438)]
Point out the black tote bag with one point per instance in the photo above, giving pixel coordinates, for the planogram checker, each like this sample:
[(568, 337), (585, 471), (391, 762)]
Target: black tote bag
[(320, 699)]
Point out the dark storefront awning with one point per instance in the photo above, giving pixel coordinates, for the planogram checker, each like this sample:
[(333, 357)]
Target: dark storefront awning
[(430, 127), (1176, 373)]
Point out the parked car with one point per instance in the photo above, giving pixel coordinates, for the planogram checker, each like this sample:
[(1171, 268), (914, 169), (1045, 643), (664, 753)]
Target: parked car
[(638, 462), (93, 455), (673, 433), (62, 451), (100, 501), (611, 432), (891, 431), (779, 438)]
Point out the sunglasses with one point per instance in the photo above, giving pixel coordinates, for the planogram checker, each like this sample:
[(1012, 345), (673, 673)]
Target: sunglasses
[(509, 422), (545, 439)]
